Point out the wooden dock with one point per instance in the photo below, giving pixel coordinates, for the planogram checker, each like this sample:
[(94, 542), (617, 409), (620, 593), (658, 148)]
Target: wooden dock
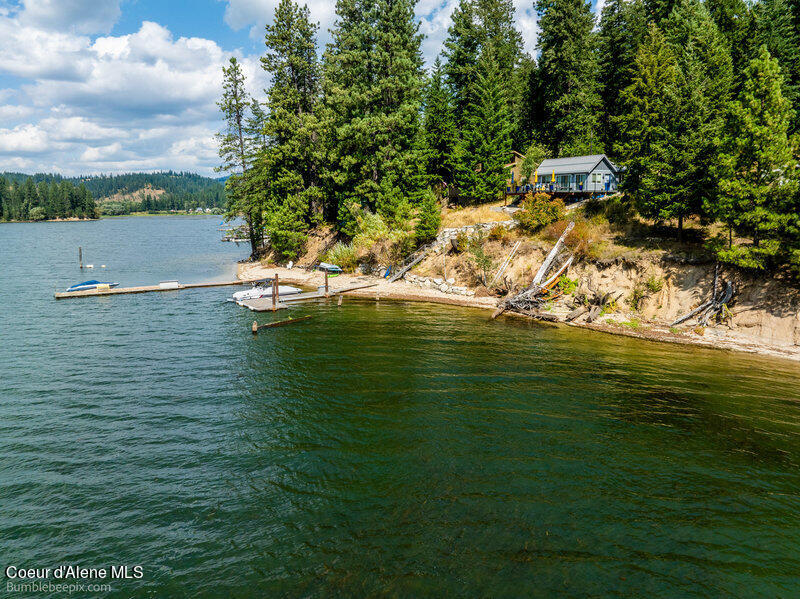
[(264, 304), (147, 289)]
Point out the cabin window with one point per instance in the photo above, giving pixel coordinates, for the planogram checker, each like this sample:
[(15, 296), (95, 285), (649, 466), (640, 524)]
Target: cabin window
[(580, 180)]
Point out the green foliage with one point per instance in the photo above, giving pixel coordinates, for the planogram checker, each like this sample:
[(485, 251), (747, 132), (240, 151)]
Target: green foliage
[(533, 158), (429, 219), (757, 174), (372, 104), (566, 285), (486, 143), (623, 26), (654, 284), (647, 130), (568, 73), (539, 210), (479, 256), (37, 213), (343, 255), (286, 167), (21, 199), (776, 29), (441, 133)]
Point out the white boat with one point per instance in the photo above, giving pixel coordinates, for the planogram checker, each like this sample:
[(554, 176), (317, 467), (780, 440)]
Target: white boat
[(263, 289)]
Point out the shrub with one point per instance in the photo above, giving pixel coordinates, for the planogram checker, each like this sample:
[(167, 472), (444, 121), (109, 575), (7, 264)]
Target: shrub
[(539, 210), (479, 256), (567, 285), (637, 295), (654, 284), (579, 240), (462, 242), (343, 255), (37, 213), (499, 233)]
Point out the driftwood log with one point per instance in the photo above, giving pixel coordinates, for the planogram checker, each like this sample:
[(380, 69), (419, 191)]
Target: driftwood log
[(714, 308), (530, 299)]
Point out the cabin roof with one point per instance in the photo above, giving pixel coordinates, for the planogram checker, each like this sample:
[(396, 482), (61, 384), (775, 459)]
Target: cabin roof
[(574, 164)]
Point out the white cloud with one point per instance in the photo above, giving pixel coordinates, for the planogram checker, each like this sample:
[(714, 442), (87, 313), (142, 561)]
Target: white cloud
[(77, 16), (23, 139), (10, 112)]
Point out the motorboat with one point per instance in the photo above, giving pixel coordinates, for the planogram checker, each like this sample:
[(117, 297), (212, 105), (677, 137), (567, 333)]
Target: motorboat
[(88, 285), (263, 289)]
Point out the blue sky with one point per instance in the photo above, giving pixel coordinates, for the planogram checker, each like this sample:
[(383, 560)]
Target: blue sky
[(106, 86)]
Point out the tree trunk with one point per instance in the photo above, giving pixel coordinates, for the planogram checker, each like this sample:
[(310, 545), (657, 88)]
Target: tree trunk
[(680, 228)]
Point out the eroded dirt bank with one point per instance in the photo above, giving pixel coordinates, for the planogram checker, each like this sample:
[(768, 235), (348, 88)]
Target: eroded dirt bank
[(652, 290)]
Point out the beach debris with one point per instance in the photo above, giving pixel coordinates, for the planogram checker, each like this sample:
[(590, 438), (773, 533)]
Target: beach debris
[(280, 323), (716, 307), (533, 297)]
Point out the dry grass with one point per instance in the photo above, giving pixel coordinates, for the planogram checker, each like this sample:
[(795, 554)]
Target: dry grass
[(472, 215)]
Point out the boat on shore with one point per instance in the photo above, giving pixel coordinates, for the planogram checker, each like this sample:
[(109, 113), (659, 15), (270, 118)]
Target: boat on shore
[(88, 285)]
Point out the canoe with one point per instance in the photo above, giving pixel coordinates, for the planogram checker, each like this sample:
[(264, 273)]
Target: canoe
[(87, 285)]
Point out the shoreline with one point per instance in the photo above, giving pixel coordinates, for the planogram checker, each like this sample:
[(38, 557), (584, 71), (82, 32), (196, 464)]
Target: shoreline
[(403, 291)]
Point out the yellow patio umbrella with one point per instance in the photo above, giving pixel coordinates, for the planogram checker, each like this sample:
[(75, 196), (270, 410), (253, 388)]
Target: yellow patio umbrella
[(553, 178)]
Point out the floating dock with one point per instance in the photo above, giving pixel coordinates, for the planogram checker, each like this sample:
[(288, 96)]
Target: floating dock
[(164, 286), (264, 304)]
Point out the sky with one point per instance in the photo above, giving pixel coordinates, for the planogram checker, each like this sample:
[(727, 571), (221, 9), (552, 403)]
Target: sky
[(111, 86)]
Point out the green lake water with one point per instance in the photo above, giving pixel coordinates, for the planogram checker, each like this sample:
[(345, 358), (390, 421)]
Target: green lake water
[(390, 449)]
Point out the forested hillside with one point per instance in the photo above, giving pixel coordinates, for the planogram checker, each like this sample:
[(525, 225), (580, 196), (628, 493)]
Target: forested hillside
[(698, 101), (26, 200), (140, 192)]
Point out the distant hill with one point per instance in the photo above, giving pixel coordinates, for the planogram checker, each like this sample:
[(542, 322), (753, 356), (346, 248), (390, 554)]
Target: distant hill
[(141, 192)]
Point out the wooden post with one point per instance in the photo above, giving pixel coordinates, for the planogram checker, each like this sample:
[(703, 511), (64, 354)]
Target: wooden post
[(275, 293), (326, 283), (341, 297), (80, 256), (255, 327)]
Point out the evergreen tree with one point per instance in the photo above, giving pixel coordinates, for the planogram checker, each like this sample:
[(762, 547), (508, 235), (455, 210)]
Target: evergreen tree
[(647, 149), (236, 153), (430, 219), (486, 144), (5, 204), (441, 134), (777, 30), (758, 178), (735, 22), (482, 27), (568, 73), (704, 87), (373, 95), (623, 26), (287, 168)]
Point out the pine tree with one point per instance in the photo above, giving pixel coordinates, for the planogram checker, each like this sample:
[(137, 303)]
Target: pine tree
[(236, 153), (735, 22), (441, 134), (481, 27), (568, 73), (486, 143), (430, 219), (623, 26), (373, 94), (705, 84), (777, 30), (286, 171), (647, 149), (758, 178)]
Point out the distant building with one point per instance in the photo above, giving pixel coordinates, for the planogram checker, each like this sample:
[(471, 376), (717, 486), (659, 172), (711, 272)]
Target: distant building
[(573, 175)]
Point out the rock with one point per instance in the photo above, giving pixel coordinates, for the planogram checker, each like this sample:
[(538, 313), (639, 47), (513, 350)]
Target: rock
[(470, 292), (443, 287), (438, 281), (450, 281)]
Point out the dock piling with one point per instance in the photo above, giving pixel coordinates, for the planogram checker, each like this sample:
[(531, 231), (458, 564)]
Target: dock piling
[(80, 256), (326, 283)]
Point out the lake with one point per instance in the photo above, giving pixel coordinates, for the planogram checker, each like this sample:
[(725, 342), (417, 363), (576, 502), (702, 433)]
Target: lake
[(389, 449)]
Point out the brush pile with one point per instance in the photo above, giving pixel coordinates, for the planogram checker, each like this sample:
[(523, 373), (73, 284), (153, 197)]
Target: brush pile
[(540, 291), (714, 309)]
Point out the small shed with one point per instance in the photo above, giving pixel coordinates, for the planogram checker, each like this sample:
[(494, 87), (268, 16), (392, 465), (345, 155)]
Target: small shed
[(577, 174)]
